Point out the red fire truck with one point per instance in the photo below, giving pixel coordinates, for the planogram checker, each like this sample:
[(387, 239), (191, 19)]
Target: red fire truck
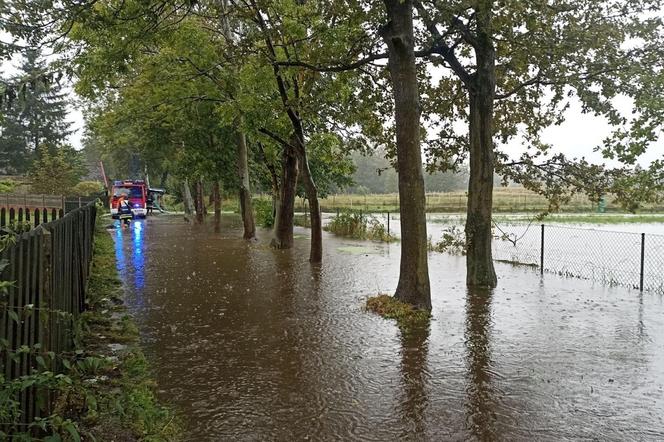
[(135, 192)]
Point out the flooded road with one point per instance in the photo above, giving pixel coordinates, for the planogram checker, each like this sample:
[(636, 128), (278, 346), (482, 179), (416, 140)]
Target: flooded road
[(249, 343)]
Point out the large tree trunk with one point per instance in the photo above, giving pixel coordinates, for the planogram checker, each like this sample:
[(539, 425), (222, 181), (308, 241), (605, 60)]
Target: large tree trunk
[(216, 200), (479, 262), (413, 286), (316, 251), (283, 221), (200, 209), (188, 201), (246, 207)]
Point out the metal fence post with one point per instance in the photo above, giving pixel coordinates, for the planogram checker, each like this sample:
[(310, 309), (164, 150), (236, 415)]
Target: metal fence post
[(388, 223), (643, 255), (542, 252)]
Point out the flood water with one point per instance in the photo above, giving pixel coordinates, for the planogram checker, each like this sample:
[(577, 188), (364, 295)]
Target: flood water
[(609, 254), (248, 343)]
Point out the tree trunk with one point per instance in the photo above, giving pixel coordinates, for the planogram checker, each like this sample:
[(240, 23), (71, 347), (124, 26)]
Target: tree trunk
[(199, 201), (479, 262), (275, 200), (316, 251), (216, 199), (188, 201), (246, 207), (164, 177), (413, 286), (283, 221)]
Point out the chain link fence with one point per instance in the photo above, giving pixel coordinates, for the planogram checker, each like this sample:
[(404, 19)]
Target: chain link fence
[(634, 260)]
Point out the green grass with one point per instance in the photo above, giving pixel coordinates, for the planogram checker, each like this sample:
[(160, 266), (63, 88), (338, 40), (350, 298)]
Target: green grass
[(406, 315)]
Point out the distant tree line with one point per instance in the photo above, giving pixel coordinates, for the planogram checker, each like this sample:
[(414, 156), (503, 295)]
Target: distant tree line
[(374, 174)]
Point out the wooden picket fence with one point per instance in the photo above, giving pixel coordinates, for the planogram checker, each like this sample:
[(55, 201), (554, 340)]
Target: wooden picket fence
[(49, 267), (37, 209)]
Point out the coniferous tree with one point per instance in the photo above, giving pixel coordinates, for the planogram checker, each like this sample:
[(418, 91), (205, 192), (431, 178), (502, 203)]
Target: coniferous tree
[(38, 116)]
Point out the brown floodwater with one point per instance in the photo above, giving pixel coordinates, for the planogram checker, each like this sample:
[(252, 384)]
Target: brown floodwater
[(249, 343)]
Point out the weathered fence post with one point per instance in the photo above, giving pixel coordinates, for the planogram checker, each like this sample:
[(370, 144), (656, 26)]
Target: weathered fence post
[(542, 252), (643, 256), (388, 223), (45, 304)]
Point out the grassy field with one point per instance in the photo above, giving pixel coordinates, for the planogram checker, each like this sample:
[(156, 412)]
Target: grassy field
[(506, 200)]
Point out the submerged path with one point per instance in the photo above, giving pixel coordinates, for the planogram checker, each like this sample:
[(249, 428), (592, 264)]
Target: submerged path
[(255, 344)]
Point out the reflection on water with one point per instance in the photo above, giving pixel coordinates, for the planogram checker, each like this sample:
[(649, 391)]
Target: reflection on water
[(481, 415), (131, 265), (250, 343), (415, 376)]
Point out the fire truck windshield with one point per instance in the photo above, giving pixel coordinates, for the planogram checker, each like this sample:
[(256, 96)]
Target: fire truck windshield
[(131, 191)]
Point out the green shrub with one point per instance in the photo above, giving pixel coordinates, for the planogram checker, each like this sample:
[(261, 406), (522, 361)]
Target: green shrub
[(87, 188), (7, 186), (453, 241), (348, 224), (359, 226), (263, 210), (173, 203), (55, 173)]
